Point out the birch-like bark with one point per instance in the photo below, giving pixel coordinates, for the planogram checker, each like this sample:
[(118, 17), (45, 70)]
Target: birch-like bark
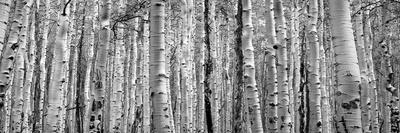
[(271, 85), (249, 70), (283, 96), (5, 11), (348, 113), (314, 60), (208, 62), (160, 116), (17, 87), (199, 58), (41, 31), (365, 101), (8, 57), (55, 95), (370, 73)]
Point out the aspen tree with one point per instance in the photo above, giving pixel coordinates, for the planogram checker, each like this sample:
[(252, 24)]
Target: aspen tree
[(137, 125), (325, 107), (53, 118), (147, 111), (386, 66), (365, 110), (199, 59), (237, 112), (314, 60), (249, 69), (100, 74), (29, 56), (88, 49), (160, 116), (6, 66), (5, 6), (348, 113), (39, 71), (371, 75), (283, 96), (117, 81), (296, 53), (184, 69), (133, 70), (208, 62), (17, 86), (190, 94)]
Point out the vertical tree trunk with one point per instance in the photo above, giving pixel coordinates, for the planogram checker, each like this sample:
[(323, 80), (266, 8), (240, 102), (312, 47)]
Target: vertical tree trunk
[(199, 58), (371, 74), (17, 86), (208, 62), (8, 56), (54, 114), (249, 70), (365, 101), (283, 96), (41, 42), (160, 116), (348, 113), (5, 6), (314, 60), (237, 104)]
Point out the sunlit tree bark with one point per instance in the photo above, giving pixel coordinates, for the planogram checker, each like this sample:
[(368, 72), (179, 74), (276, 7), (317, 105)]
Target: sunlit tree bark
[(17, 87), (348, 113), (371, 74), (358, 27), (249, 70), (282, 71), (8, 57), (314, 60), (199, 65), (55, 95), (160, 115), (5, 6)]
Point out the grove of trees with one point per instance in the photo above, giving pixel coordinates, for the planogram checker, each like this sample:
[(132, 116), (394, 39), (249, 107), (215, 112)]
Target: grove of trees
[(199, 66)]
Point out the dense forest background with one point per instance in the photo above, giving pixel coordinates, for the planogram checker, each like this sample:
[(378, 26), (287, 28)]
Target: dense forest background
[(141, 66)]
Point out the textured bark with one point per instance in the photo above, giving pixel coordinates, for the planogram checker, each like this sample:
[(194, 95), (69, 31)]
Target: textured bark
[(249, 70), (199, 59), (100, 67), (5, 11), (365, 101), (160, 116), (55, 95), (314, 60), (40, 38), (348, 113), (8, 57), (208, 62), (18, 89), (238, 83), (284, 121), (370, 73)]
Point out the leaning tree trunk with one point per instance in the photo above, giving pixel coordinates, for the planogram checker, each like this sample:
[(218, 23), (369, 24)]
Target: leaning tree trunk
[(348, 113), (160, 114)]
